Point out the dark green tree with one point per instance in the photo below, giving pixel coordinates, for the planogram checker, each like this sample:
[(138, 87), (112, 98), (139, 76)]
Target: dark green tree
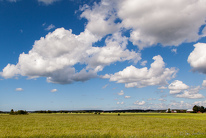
[(169, 111), (11, 112), (202, 109), (195, 109)]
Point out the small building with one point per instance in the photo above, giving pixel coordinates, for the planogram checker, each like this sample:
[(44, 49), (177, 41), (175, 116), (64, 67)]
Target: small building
[(189, 111)]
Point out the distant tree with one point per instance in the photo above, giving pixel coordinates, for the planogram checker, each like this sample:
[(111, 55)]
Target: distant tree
[(12, 112), (202, 109), (22, 112), (19, 112), (169, 111), (195, 109)]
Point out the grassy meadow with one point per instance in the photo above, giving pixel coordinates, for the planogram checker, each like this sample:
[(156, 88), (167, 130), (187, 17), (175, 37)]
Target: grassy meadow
[(103, 125)]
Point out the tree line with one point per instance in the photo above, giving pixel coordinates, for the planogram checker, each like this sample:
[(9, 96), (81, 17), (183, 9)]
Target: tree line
[(197, 109)]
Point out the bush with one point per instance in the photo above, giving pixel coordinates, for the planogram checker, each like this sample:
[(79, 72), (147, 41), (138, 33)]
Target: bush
[(19, 112)]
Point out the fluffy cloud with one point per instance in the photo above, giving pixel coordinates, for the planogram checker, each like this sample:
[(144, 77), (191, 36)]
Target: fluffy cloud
[(204, 83), (47, 2), (101, 18), (200, 103), (19, 89), (143, 63), (151, 22), (55, 56), (168, 23), (197, 58), (183, 91), (139, 103), (192, 93), (177, 87), (135, 77)]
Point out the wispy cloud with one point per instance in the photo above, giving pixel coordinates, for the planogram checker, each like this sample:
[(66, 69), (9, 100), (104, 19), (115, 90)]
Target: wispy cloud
[(19, 89), (50, 27), (121, 93), (54, 90)]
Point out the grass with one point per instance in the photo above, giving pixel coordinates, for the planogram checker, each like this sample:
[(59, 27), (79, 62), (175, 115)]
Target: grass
[(104, 125)]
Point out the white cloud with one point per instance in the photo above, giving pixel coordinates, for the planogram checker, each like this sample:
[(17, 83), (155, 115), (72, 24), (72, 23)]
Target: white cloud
[(51, 26), (192, 93), (200, 103), (121, 93), (143, 63), (163, 100), (120, 102), (204, 83), (19, 89), (162, 88), (183, 91), (151, 22), (100, 18), (55, 55), (177, 87), (197, 58), (168, 23), (105, 86), (135, 77), (174, 50), (139, 103), (54, 90), (127, 97), (47, 2)]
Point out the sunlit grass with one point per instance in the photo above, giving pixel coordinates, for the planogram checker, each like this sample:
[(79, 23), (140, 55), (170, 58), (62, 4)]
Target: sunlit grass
[(104, 125)]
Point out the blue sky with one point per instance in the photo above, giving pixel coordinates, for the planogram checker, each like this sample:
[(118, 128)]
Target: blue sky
[(105, 54)]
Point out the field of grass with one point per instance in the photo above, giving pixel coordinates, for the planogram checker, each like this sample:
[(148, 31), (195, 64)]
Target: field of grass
[(103, 125)]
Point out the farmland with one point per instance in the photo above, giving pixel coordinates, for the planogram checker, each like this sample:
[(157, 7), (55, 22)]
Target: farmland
[(103, 125)]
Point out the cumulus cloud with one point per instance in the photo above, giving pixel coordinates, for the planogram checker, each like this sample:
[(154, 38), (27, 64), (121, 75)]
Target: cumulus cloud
[(139, 103), (200, 103), (19, 89), (101, 18), (135, 77), (55, 56), (47, 2), (204, 83), (121, 92), (151, 22), (192, 93), (54, 90), (182, 90), (169, 23), (197, 58), (177, 87)]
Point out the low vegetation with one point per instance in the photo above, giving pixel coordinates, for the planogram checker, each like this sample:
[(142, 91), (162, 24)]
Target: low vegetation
[(103, 125)]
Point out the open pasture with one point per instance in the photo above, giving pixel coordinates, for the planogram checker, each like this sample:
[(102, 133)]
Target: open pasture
[(103, 125)]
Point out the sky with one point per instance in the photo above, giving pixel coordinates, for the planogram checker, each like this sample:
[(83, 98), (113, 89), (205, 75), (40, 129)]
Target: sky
[(102, 54)]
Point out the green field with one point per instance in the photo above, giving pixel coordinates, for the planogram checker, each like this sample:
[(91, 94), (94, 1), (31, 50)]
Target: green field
[(104, 125)]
